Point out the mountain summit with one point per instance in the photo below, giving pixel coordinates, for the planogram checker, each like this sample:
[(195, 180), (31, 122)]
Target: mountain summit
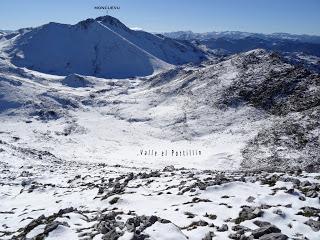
[(102, 47)]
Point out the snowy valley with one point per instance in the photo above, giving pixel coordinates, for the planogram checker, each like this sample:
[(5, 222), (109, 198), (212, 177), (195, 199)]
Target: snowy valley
[(81, 105)]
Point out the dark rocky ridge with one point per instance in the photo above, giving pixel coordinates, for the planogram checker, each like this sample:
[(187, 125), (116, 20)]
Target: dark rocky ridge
[(290, 89)]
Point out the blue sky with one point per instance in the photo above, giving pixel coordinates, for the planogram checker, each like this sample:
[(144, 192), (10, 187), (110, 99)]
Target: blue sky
[(267, 16)]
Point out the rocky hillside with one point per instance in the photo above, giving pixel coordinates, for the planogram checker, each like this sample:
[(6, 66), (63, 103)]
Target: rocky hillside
[(287, 95)]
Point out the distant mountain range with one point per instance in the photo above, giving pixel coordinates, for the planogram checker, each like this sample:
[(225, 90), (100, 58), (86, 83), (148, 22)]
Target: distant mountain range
[(230, 45), (236, 42), (298, 49), (189, 35), (5, 31)]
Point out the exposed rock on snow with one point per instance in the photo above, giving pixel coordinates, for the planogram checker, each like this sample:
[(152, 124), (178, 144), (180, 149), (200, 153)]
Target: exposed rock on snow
[(75, 81), (61, 200)]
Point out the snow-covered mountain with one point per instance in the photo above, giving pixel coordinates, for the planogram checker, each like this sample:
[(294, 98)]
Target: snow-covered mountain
[(4, 32), (107, 48)]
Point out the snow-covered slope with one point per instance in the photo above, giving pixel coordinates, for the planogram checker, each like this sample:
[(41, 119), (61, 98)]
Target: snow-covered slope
[(102, 47), (224, 108)]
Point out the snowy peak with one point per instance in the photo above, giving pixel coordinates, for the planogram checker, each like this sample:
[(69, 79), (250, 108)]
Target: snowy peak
[(112, 22), (107, 20)]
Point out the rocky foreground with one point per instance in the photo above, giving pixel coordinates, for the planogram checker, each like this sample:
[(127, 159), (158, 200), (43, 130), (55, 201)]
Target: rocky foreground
[(53, 199)]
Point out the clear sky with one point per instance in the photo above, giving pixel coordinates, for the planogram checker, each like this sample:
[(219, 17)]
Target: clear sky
[(267, 16)]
